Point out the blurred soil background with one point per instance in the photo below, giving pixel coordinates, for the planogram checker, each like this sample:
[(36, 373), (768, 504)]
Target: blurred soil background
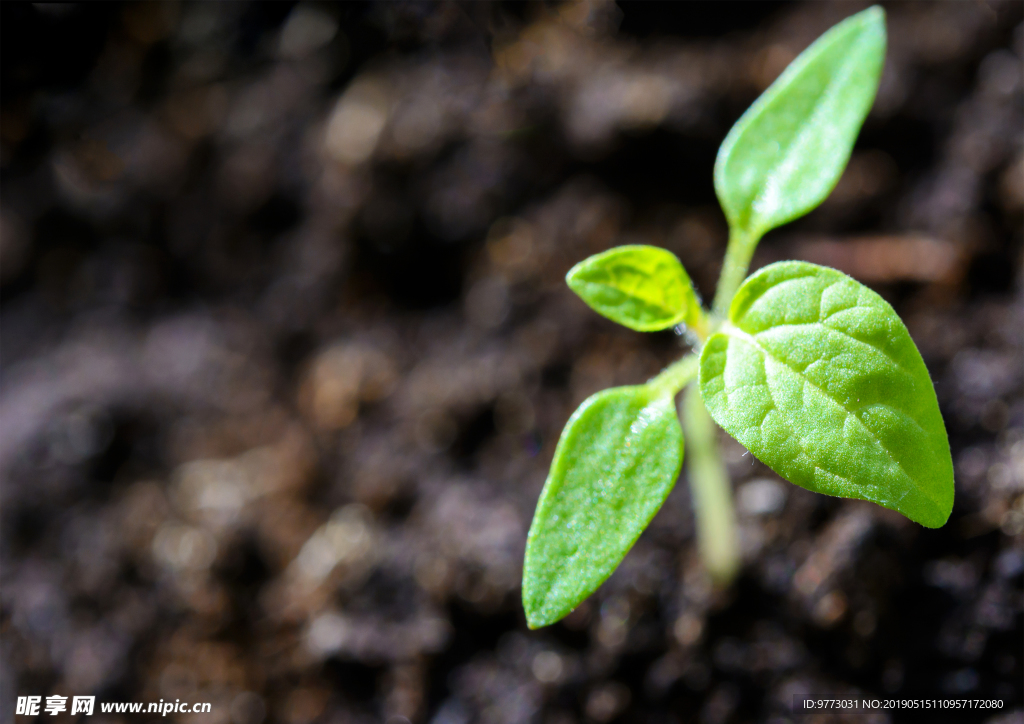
[(286, 350)]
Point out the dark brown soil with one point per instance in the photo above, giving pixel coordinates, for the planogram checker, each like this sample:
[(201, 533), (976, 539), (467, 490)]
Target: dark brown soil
[(287, 349)]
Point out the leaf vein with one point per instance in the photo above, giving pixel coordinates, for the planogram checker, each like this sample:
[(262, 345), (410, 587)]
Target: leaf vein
[(825, 394), (840, 332)]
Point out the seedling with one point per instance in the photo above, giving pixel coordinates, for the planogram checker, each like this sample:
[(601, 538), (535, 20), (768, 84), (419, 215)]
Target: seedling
[(809, 369)]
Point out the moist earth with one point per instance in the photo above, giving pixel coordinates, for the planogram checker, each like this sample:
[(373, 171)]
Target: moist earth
[(287, 348)]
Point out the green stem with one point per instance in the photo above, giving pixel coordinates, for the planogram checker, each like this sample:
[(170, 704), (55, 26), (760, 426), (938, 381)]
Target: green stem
[(712, 494), (676, 376), (734, 268)]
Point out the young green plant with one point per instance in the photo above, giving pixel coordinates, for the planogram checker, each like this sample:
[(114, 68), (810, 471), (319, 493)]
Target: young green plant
[(809, 369)]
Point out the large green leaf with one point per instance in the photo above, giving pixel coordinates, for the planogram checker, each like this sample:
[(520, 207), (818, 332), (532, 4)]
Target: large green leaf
[(642, 287), (616, 461), (817, 376), (786, 153)]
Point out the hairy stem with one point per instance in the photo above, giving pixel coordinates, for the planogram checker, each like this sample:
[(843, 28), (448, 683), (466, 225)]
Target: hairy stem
[(712, 494), (734, 268), (677, 375)]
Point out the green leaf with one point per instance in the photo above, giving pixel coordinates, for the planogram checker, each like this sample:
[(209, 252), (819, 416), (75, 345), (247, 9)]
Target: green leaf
[(786, 153), (616, 461), (642, 287), (817, 376)]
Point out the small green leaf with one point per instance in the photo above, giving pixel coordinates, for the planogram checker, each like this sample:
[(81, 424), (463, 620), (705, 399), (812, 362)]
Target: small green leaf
[(642, 287), (786, 153), (617, 460), (817, 376)]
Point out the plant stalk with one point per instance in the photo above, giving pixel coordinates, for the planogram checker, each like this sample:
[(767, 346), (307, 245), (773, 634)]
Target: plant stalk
[(734, 268), (677, 375), (717, 535)]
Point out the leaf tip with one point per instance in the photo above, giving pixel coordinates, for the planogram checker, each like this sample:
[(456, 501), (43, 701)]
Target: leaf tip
[(536, 616), (533, 623), (937, 516), (571, 276), (872, 23), (873, 18), (536, 593), (874, 14)]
